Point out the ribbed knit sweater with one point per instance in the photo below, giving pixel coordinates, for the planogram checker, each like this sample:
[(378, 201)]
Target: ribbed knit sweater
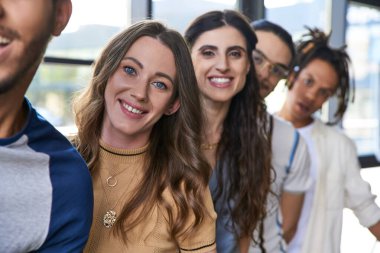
[(152, 234)]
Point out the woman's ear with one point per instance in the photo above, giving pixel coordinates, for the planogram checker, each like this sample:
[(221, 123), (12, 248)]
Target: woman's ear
[(173, 107), (63, 10)]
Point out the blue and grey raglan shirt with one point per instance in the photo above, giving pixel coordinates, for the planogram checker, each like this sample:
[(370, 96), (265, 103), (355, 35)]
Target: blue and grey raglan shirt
[(46, 199)]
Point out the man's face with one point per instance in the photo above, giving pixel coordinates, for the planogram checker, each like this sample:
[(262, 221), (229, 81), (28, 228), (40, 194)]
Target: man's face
[(25, 29), (314, 85), (272, 59)]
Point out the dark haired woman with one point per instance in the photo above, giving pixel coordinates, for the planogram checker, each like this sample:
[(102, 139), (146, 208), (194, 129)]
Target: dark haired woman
[(235, 139)]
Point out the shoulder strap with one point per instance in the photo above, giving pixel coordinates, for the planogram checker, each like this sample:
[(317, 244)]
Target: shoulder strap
[(293, 152)]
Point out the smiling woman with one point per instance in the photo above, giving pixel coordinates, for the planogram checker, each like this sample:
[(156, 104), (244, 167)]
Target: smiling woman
[(221, 44), (147, 74), (69, 57), (139, 124)]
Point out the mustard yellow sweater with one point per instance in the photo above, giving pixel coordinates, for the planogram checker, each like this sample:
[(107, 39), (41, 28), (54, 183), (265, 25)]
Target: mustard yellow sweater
[(120, 171)]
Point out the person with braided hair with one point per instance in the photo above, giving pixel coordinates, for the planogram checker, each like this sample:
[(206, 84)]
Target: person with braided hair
[(320, 73)]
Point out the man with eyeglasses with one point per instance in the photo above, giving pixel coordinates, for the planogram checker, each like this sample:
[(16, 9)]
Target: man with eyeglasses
[(269, 73), (273, 57)]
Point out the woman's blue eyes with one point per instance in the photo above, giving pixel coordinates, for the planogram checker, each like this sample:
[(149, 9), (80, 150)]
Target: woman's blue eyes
[(159, 85), (130, 70)]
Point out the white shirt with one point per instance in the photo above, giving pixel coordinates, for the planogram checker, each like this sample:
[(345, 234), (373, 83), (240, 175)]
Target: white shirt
[(338, 185), (291, 164), (296, 243)]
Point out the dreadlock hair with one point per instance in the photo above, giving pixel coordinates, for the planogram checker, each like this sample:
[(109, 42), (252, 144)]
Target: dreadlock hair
[(314, 45)]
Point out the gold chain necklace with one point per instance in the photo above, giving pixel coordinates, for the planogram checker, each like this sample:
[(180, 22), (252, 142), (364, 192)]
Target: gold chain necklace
[(110, 216), (209, 146), (112, 180)]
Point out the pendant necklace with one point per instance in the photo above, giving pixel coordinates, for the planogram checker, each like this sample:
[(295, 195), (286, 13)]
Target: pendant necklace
[(112, 180), (110, 216)]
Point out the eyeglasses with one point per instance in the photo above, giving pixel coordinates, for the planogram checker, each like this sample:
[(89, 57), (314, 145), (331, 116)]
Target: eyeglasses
[(276, 69)]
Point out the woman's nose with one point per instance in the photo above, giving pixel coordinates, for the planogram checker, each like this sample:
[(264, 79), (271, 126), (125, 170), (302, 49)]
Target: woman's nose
[(222, 64)]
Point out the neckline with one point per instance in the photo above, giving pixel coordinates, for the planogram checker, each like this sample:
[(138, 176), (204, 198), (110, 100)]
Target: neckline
[(122, 152)]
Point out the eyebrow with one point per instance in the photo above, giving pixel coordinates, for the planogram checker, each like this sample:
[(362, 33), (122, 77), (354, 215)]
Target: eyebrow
[(216, 48), (134, 60), (207, 47), (160, 74), (275, 63), (237, 48)]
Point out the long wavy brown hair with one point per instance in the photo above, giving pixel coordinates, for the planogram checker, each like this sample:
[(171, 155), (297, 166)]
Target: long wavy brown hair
[(244, 150), (173, 158), (314, 44)]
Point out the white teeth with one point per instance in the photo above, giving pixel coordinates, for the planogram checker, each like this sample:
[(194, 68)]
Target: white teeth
[(220, 80), (131, 109), (4, 40)]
